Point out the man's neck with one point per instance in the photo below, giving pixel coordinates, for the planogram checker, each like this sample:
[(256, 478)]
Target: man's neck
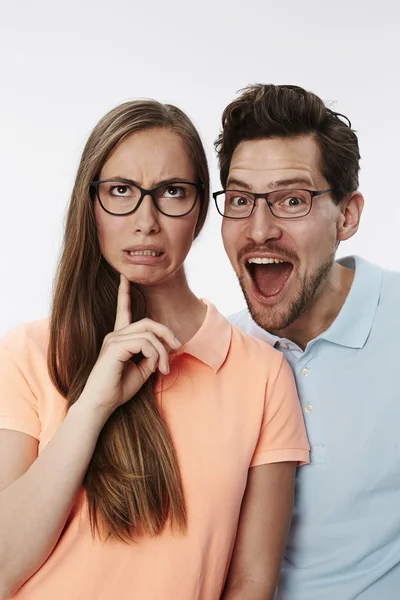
[(324, 309)]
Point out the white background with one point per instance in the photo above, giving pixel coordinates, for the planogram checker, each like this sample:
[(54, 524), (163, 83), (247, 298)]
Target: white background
[(63, 65)]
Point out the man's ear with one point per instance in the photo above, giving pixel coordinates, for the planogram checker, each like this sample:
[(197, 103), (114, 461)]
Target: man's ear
[(350, 214)]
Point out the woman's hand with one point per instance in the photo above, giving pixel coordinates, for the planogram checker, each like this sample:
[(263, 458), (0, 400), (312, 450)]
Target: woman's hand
[(115, 379)]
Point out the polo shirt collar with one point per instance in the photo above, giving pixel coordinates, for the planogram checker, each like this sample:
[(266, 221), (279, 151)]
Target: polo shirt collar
[(353, 324), (210, 344)]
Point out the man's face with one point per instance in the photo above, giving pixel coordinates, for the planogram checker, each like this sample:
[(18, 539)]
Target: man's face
[(278, 293)]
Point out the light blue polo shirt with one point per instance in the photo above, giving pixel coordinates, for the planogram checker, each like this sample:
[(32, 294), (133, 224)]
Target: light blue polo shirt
[(345, 537)]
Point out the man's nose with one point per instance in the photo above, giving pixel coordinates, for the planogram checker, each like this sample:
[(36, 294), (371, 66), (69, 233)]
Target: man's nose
[(145, 219), (263, 226)]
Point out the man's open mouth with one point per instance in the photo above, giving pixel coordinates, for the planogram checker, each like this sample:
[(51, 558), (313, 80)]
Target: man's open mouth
[(269, 275)]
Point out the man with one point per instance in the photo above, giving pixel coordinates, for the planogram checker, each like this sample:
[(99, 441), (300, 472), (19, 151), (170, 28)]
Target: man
[(290, 166)]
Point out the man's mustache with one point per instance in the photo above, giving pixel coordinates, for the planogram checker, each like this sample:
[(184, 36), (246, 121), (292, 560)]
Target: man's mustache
[(270, 248)]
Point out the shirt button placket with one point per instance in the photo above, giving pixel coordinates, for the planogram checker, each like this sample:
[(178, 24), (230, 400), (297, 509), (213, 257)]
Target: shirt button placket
[(305, 371)]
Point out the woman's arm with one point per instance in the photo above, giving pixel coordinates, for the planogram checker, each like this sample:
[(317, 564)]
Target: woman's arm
[(35, 505), (38, 491), (263, 528)]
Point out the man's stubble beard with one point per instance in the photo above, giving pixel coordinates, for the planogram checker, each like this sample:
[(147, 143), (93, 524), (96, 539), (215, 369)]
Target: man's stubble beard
[(273, 320)]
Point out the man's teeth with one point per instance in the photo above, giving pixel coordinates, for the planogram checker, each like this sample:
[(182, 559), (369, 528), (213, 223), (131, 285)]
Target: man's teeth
[(144, 253), (265, 261)]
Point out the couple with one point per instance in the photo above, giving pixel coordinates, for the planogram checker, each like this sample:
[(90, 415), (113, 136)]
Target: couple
[(151, 445)]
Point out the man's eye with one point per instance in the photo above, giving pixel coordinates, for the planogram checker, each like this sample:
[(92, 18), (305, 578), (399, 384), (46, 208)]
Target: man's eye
[(293, 201), (239, 201)]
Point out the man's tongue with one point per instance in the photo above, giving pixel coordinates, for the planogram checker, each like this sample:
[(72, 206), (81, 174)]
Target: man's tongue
[(270, 279)]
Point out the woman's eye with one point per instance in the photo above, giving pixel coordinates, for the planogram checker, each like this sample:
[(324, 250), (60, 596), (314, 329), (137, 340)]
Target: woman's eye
[(174, 191), (120, 190)]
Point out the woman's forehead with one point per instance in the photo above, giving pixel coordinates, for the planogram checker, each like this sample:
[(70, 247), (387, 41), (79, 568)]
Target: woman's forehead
[(157, 152)]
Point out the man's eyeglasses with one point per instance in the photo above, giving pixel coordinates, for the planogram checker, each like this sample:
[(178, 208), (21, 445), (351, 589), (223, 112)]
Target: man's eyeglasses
[(122, 197), (283, 204)]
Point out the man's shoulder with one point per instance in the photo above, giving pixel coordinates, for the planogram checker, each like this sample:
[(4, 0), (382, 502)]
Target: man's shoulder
[(391, 281), (390, 277), (375, 289), (389, 300)]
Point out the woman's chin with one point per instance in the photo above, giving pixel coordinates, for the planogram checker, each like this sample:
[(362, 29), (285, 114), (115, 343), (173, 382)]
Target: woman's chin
[(145, 277)]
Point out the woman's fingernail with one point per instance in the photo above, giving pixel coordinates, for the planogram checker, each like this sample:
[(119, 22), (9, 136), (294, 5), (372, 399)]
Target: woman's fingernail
[(178, 342)]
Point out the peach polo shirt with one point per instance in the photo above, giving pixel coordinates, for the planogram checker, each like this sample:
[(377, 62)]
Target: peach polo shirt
[(230, 403)]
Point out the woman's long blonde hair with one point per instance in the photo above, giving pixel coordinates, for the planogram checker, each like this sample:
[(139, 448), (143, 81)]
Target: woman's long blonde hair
[(133, 482)]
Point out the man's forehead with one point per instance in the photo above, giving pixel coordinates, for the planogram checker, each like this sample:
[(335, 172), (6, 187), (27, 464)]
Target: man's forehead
[(276, 159)]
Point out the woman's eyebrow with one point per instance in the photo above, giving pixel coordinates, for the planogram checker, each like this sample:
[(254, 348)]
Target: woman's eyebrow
[(162, 182), (173, 179)]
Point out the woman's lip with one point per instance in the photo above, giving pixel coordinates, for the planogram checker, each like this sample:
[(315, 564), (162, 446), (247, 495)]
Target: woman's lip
[(144, 248), (144, 259)]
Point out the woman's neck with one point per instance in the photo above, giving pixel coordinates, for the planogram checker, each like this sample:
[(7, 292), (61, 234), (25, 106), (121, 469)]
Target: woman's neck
[(173, 304)]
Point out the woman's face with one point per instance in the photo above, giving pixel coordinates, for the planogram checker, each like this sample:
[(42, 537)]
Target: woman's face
[(148, 247)]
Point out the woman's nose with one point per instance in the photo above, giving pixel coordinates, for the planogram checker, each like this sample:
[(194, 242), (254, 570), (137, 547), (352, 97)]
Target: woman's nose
[(145, 219)]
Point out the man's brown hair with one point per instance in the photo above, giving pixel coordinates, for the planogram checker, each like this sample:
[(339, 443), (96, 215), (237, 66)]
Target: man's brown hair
[(287, 111)]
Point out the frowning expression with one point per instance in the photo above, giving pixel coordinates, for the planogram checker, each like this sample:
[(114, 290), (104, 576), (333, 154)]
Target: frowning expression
[(147, 246)]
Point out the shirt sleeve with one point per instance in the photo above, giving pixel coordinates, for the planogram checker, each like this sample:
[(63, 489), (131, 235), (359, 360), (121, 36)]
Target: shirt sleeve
[(283, 435), (18, 403)]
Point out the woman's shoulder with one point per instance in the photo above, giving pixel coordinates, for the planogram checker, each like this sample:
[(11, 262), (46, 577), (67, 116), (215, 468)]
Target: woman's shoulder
[(28, 337)]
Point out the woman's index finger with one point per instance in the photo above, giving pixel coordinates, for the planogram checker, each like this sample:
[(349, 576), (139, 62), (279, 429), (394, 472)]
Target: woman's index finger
[(124, 309)]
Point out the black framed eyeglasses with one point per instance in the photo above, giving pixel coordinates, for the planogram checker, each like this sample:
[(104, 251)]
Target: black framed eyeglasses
[(283, 204), (121, 197)]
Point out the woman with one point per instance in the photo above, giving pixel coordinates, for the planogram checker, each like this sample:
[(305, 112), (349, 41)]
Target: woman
[(154, 434)]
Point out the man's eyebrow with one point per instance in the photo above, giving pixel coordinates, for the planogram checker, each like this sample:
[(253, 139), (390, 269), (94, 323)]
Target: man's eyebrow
[(281, 183), (291, 181), (238, 183)]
